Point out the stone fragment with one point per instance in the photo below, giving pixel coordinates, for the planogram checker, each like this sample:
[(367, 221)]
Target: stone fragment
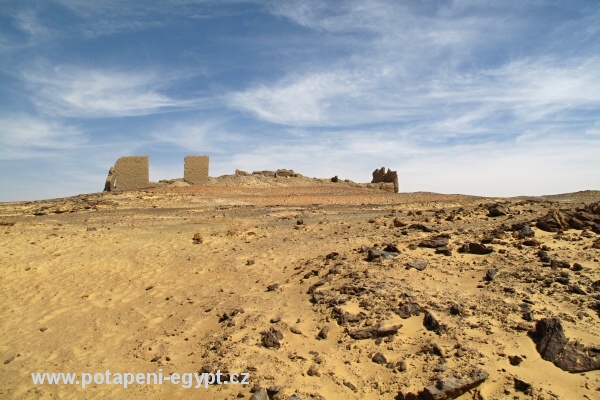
[(452, 387), (553, 345), (324, 332), (475, 248), (497, 210), (417, 264), (379, 358), (431, 323), (260, 394), (491, 274), (271, 338)]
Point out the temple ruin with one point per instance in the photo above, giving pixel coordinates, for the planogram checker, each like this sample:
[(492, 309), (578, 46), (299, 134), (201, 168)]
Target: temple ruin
[(380, 175), (195, 170), (133, 172)]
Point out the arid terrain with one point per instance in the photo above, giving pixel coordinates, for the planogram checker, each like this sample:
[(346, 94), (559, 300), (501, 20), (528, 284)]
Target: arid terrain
[(320, 290)]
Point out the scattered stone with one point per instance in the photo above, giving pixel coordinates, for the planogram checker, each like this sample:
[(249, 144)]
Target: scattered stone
[(391, 248), (295, 330), (335, 179), (350, 386), (273, 287), (408, 309), (457, 309), (375, 254), (260, 394), (431, 323), (554, 221), (417, 264), (443, 250), (497, 210), (398, 223), (324, 332), (421, 227), (559, 264), (379, 359), (515, 360), (9, 360), (334, 255), (521, 385), (491, 274), (271, 338), (275, 320), (272, 390), (451, 387), (313, 371), (197, 239), (577, 267), (576, 290), (436, 242), (553, 345), (475, 248)]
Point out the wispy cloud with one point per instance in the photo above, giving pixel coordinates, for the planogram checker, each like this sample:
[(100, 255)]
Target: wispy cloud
[(27, 137), (69, 91)]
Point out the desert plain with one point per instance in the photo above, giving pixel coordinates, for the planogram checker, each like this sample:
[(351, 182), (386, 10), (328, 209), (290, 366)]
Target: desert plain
[(318, 290)]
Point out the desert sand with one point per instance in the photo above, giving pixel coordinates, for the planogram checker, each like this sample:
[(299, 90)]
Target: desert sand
[(115, 281)]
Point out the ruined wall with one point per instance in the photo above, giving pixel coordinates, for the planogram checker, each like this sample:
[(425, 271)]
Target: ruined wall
[(380, 175), (195, 170), (129, 173)]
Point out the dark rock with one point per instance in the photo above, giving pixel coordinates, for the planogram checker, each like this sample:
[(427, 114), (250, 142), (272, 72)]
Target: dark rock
[(421, 227), (379, 359), (408, 309), (398, 223), (475, 248), (491, 274), (523, 230), (451, 387), (515, 360), (559, 264), (272, 390), (554, 221), (335, 179), (457, 309), (334, 255), (576, 290), (361, 334), (295, 330), (375, 254), (387, 331), (391, 248), (271, 338), (531, 243), (543, 255), (417, 264), (433, 243), (323, 332), (553, 345), (9, 360), (260, 394), (350, 386), (313, 371), (577, 267), (497, 210), (197, 239), (443, 250), (431, 323), (521, 385), (564, 280), (273, 287)]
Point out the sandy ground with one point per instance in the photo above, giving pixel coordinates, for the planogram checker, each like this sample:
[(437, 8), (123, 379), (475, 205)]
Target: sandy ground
[(115, 281)]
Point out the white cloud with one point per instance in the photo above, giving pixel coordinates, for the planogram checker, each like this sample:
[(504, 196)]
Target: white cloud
[(88, 93), (26, 137)]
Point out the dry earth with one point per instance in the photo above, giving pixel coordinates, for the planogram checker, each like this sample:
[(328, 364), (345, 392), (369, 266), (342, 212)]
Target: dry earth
[(116, 281)]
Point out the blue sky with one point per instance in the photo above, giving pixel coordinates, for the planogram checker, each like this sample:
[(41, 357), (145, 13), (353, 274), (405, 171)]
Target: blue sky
[(476, 97)]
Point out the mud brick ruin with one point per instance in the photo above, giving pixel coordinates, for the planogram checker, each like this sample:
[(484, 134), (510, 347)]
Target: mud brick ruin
[(133, 172), (195, 170), (380, 175)]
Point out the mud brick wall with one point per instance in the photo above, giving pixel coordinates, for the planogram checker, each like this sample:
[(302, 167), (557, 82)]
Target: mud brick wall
[(131, 173), (195, 170)]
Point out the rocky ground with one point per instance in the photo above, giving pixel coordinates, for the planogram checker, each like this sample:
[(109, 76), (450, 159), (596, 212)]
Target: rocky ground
[(317, 289)]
